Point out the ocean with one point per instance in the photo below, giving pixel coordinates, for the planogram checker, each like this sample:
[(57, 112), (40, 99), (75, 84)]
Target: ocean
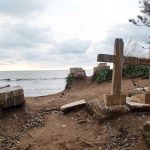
[(36, 83)]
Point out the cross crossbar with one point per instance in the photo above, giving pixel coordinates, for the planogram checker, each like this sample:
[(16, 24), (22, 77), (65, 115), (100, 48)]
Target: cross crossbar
[(126, 60)]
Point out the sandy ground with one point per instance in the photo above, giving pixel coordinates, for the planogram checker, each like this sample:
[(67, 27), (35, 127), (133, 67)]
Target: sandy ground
[(40, 125)]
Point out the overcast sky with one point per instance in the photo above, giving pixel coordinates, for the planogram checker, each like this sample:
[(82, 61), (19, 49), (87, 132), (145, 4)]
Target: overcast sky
[(59, 34)]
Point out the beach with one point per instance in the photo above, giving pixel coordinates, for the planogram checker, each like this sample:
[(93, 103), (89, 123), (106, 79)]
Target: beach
[(40, 125)]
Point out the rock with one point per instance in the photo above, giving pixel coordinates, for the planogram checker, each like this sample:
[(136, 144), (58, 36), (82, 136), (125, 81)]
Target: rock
[(146, 133), (102, 112), (11, 96), (74, 105), (78, 73)]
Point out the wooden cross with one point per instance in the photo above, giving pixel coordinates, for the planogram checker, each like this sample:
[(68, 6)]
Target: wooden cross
[(118, 59)]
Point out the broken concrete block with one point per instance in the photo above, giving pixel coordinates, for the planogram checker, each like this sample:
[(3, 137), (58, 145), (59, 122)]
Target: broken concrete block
[(11, 96), (74, 105), (102, 112), (78, 72)]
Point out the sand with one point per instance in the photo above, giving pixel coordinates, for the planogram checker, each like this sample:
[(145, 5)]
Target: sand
[(40, 125)]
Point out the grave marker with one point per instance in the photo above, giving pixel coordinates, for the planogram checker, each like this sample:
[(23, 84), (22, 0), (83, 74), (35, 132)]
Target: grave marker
[(118, 59)]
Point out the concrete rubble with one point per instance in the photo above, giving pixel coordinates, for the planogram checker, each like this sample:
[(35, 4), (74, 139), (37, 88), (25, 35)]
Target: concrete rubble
[(11, 96), (78, 73)]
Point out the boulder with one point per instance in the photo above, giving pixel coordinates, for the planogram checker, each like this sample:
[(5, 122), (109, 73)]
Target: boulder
[(78, 73), (11, 96)]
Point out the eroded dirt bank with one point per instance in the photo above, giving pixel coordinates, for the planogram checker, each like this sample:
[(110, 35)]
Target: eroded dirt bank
[(40, 125)]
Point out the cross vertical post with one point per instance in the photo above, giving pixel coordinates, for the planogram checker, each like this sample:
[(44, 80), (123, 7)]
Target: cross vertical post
[(117, 69)]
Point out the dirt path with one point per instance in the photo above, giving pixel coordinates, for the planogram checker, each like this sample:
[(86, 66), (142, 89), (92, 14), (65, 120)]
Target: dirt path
[(40, 125)]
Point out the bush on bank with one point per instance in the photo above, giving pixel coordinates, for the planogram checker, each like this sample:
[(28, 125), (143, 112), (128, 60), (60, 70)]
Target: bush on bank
[(69, 80)]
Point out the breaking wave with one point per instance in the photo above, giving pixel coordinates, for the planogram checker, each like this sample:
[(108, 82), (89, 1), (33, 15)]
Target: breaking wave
[(29, 79)]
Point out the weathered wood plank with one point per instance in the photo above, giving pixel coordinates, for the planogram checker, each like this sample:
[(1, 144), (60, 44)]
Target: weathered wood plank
[(105, 58), (73, 105), (136, 61)]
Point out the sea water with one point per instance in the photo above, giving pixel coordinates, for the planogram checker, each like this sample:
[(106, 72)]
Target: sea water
[(36, 83)]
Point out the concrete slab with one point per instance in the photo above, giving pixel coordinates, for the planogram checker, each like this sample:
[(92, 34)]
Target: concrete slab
[(74, 105)]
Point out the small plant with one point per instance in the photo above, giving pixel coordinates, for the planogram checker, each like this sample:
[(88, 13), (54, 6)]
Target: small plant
[(104, 74), (69, 80)]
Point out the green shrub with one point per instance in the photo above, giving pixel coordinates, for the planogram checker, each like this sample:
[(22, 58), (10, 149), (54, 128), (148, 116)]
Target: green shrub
[(136, 71), (104, 74), (69, 80)]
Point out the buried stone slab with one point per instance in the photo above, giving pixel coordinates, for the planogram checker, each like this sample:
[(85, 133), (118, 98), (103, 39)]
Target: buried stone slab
[(11, 96), (102, 112)]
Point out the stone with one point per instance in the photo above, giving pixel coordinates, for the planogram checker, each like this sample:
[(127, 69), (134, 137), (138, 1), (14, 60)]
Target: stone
[(102, 112), (114, 100), (146, 133), (11, 96), (141, 98), (74, 105), (78, 72)]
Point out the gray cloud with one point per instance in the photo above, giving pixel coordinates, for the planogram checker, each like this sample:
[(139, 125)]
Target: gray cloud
[(73, 46), (22, 7), (24, 36), (20, 42)]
